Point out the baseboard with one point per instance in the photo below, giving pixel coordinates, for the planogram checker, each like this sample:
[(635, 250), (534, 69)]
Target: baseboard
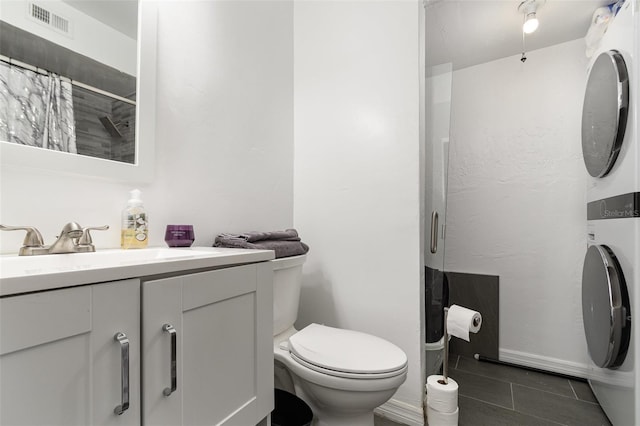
[(546, 363), (620, 378), (401, 412)]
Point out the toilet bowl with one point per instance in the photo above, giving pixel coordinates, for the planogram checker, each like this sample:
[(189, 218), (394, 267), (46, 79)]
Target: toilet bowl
[(343, 375)]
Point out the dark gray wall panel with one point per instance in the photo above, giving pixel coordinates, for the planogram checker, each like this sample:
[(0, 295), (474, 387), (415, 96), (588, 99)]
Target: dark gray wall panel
[(479, 293)]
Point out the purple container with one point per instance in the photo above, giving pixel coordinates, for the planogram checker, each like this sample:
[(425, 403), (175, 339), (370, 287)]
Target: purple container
[(179, 235)]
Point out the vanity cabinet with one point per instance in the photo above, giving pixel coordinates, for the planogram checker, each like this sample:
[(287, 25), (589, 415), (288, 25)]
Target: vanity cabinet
[(200, 350), (222, 363), (59, 361)]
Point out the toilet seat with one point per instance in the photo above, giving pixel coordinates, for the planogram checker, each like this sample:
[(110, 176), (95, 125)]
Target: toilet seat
[(346, 353), (345, 375)]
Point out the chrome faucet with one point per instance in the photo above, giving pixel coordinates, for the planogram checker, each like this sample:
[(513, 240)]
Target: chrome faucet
[(67, 241), (73, 239)]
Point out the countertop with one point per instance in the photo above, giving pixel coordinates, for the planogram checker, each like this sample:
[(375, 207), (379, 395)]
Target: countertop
[(24, 274)]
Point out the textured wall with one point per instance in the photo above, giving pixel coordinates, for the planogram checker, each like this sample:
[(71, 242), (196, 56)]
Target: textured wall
[(517, 195)]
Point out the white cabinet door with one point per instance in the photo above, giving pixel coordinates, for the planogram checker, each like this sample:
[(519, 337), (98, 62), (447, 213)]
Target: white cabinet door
[(59, 362), (224, 351), (115, 309)]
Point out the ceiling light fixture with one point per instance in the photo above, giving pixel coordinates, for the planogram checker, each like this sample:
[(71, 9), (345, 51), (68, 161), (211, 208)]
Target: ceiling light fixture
[(528, 8), (530, 23)]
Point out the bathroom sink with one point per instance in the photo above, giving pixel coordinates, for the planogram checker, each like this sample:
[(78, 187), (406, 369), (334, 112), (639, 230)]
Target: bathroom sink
[(29, 265), (154, 254), (33, 273)]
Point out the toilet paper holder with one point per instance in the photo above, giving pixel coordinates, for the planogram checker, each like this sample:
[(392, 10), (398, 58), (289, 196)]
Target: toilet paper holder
[(445, 357)]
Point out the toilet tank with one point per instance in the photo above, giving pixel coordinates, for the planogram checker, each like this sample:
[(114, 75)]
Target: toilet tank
[(287, 280)]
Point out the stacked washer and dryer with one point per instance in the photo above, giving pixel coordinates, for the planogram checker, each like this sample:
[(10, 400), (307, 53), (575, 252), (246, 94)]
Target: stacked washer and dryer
[(611, 272)]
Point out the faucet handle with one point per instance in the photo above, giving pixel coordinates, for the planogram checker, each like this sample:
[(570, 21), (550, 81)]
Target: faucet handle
[(33, 237), (85, 239)]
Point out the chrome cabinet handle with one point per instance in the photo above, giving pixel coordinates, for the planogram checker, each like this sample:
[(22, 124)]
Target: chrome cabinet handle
[(174, 367), (434, 231), (124, 371)]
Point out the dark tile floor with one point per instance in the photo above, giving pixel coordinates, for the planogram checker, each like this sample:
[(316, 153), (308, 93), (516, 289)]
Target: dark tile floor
[(498, 395), (494, 395)]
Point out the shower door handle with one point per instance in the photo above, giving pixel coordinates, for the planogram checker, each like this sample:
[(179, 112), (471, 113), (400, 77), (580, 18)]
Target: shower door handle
[(434, 231)]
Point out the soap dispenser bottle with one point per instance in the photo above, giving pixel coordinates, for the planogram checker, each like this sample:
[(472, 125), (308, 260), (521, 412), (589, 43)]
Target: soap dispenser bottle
[(135, 231)]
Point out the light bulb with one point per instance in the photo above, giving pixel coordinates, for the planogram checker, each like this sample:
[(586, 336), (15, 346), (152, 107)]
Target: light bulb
[(530, 23)]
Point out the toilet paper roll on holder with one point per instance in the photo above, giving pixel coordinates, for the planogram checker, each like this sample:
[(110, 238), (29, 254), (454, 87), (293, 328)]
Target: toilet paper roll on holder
[(445, 358)]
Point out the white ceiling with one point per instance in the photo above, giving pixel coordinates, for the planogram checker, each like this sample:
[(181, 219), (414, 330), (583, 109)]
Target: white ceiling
[(471, 32), (463, 32), (121, 15)]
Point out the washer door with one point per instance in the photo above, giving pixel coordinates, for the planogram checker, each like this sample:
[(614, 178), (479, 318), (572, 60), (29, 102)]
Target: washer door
[(605, 308), (604, 113)]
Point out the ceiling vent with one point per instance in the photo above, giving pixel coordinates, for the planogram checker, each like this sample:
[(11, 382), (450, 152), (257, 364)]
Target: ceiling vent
[(50, 19)]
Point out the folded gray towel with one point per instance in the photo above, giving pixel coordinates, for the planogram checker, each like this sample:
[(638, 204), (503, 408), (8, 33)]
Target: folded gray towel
[(286, 235), (288, 243)]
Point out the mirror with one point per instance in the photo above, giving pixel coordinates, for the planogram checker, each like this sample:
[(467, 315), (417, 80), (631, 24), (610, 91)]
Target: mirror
[(114, 111)]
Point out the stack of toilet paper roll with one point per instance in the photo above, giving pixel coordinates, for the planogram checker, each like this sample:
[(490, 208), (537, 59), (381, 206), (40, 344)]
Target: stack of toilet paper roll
[(442, 394), (442, 401)]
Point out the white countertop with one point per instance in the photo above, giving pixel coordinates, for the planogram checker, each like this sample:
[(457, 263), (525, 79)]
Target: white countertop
[(22, 274)]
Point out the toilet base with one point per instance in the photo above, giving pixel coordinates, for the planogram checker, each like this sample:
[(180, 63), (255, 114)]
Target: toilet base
[(361, 420), (345, 408), (331, 417)]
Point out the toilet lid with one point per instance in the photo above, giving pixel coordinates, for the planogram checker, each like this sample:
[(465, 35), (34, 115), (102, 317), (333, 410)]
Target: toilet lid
[(346, 351)]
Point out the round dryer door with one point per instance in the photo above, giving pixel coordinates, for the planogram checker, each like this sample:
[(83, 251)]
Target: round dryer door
[(604, 113), (605, 308)]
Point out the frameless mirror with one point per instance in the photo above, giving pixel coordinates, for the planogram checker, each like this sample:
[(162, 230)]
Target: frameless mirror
[(78, 87)]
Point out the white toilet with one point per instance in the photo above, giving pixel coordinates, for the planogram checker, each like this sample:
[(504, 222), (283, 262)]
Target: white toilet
[(342, 375)]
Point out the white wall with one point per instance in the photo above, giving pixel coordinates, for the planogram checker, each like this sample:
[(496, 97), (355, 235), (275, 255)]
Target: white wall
[(225, 117), (87, 36), (356, 195), (517, 197), (224, 139)]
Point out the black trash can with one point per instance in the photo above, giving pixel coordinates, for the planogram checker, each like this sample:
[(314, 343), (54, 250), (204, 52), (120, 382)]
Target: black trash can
[(290, 410)]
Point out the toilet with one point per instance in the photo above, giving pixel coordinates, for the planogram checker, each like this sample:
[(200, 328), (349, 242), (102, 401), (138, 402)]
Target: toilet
[(343, 375)]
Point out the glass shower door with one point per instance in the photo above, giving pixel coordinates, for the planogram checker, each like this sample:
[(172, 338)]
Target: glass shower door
[(437, 125)]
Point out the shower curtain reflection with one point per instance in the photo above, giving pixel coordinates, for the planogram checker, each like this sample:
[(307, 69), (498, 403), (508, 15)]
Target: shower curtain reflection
[(36, 109)]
